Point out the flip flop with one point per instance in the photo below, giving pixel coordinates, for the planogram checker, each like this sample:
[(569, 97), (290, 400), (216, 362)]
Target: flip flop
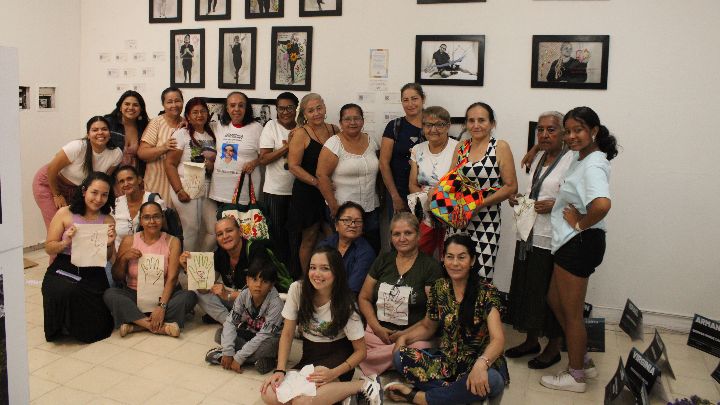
[(409, 397)]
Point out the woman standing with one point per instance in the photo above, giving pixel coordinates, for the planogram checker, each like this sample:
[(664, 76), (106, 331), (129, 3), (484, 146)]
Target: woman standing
[(127, 206), (347, 170), (429, 162), (394, 295), (322, 305), (578, 238), (468, 366), (488, 163), (55, 183), (307, 205), (195, 144), (169, 315), (236, 50), (72, 296), (533, 265), (238, 135), (187, 52), (400, 135), (157, 140), (127, 122)]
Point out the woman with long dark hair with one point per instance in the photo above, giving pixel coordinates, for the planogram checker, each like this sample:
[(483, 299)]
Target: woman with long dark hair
[(195, 145), (55, 183), (468, 366), (578, 238), (127, 123), (324, 308), (72, 295)]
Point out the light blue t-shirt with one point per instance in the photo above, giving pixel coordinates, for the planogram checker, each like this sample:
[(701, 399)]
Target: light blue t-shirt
[(585, 181)]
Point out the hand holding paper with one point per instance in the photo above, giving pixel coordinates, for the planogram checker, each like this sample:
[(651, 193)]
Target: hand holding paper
[(89, 245)]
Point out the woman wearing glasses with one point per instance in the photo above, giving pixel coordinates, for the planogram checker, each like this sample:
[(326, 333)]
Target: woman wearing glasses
[(172, 306), (394, 294), (429, 161), (347, 170), (356, 252), (195, 144), (277, 188), (127, 206)]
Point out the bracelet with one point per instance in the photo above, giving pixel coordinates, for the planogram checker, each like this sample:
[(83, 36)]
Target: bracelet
[(577, 226), (280, 371), (486, 360)]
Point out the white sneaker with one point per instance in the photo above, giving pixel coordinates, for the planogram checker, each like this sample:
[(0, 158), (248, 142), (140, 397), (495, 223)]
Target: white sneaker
[(372, 391), (563, 381), (351, 400), (590, 369)]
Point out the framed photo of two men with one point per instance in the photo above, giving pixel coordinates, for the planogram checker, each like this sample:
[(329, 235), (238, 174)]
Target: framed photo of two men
[(570, 61)]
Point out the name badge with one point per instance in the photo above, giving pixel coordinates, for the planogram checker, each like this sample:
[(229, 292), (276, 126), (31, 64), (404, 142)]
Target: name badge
[(705, 335)]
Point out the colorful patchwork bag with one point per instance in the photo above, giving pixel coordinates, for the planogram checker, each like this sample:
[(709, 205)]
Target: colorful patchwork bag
[(457, 197), (252, 221)]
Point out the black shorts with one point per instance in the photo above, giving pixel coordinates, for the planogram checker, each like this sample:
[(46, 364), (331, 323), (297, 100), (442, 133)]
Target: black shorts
[(583, 253)]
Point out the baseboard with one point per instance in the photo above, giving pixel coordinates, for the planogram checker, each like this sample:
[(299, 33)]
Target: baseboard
[(32, 248), (651, 319)]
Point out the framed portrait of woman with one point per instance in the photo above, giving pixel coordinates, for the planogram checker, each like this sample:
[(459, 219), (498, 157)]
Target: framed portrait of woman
[(187, 58), (264, 8), (212, 10), (236, 58), (165, 11), (320, 8)]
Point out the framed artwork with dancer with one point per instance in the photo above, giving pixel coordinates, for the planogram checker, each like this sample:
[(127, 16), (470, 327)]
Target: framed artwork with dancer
[(165, 11), (291, 63), (236, 58), (264, 8), (450, 60), (320, 8), (187, 58), (212, 10), (570, 61)]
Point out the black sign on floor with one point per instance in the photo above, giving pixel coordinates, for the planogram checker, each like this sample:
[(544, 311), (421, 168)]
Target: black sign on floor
[(587, 310), (705, 335), (632, 321), (716, 374), (595, 328), (641, 398), (640, 371), (616, 384), (657, 353)]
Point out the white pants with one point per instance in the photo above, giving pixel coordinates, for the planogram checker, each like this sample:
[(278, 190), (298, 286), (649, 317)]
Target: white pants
[(198, 221)]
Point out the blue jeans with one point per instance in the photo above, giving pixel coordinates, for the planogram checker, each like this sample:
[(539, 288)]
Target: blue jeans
[(437, 392)]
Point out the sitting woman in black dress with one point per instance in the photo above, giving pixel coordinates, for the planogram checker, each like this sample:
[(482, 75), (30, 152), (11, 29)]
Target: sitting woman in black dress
[(73, 296)]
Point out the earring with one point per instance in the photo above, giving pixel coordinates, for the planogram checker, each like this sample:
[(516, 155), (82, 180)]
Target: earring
[(593, 138)]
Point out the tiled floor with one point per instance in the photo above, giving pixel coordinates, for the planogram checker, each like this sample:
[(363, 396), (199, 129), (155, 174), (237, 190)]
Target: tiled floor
[(146, 369)]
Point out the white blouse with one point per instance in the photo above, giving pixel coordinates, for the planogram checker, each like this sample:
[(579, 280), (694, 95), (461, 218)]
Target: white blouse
[(124, 225), (355, 175)]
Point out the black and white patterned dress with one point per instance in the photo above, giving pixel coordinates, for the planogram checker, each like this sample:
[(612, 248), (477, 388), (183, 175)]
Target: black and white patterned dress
[(484, 226)]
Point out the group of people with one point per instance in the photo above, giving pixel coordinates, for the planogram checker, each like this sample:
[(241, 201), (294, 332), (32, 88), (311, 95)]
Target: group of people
[(426, 307)]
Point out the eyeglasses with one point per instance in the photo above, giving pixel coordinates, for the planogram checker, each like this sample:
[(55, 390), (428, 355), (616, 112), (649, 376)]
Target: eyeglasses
[(198, 113), (287, 109), (350, 221), (432, 125), (352, 119), (152, 218)]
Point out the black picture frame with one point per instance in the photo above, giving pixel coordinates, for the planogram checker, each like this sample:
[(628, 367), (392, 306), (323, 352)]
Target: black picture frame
[(308, 11), (532, 128), (203, 10), (244, 78), (449, 1), (583, 70), (157, 13), (457, 129), (177, 63), (259, 106), (216, 108), (284, 73), (464, 53), (253, 8)]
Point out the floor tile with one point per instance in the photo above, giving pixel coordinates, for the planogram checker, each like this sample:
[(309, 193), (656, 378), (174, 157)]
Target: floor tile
[(35, 336), (63, 370), (130, 361), (98, 352), (40, 386), (63, 348), (130, 340), (157, 344), (687, 386), (191, 353), (34, 314), (205, 379), (218, 401), (97, 380), (64, 395), (40, 358), (134, 390), (239, 388), (176, 396)]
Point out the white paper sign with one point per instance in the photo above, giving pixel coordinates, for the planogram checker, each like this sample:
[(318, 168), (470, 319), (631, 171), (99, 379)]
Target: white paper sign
[(524, 213), (379, 63), (193, 180), (295, 384), (150, 281), (89, 245), (393, 303), (200, 270)]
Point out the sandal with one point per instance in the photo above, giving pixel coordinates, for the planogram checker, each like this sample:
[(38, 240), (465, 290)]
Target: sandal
[(409, 397)]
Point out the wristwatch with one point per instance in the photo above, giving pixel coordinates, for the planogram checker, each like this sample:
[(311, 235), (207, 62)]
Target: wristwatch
[(162, 305), (577, 226)]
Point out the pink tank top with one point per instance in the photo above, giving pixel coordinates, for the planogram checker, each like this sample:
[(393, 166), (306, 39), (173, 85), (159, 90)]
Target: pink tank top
[(79, 220), (159, 247)]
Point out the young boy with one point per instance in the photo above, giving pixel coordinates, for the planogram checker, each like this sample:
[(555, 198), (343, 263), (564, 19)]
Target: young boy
[(252, 329)]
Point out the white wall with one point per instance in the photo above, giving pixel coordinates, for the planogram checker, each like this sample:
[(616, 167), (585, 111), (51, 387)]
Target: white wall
[(47, 36), (661, 102)]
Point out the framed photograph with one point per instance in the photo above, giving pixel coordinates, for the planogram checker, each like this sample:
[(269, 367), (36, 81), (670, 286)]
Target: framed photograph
[(457, 129), (450, 60), (570, 61), (264, 109), (319, 8), (532, 126), (236, 58), (165, 11), (448, 1), (187, 58), (291, 64), (212, 10), (24, 97), (216, 108), (46, 98), (264, 8)]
